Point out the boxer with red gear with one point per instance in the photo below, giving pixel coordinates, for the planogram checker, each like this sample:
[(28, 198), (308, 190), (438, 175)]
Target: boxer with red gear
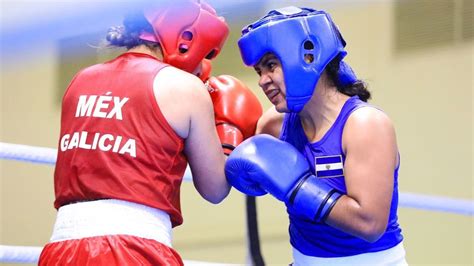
[(129, 126)]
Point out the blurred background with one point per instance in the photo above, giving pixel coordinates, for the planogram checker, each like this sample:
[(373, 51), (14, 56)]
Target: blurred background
[(416, 55)]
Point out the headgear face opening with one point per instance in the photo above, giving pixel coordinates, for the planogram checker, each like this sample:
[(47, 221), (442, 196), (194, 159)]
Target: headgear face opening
[(305, 40), (188, 32)]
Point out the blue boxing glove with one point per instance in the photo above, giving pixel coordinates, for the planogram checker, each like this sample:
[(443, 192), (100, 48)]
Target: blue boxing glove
[(264, 164)]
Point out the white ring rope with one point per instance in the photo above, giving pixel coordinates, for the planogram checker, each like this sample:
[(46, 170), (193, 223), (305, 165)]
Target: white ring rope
[(26, 254), (436, 203), (9, 151), (26, 153), (19, 254), (411, 200)]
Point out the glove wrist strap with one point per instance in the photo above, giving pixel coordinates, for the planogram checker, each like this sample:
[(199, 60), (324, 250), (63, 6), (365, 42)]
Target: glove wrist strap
[(229, 135), (313, 198), (227, 148)]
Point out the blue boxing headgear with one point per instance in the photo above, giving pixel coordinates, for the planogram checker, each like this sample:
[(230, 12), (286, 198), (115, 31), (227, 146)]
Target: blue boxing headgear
[(293, 33)]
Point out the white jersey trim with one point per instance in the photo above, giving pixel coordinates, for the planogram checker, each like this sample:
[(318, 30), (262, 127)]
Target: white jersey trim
[(111, 217), (390, 257)]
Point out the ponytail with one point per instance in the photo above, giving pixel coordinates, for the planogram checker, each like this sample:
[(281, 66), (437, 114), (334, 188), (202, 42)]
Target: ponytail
[(358, 87), (128, 35)]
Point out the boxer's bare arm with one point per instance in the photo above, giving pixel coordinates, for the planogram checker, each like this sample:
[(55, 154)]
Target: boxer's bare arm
[(187, 106)]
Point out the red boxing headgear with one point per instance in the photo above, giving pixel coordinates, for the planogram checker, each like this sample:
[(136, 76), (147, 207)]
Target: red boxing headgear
[(188, 32)]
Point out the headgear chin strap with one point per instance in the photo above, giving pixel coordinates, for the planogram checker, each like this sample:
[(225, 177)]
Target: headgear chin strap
[(188, 32), (294, 34)]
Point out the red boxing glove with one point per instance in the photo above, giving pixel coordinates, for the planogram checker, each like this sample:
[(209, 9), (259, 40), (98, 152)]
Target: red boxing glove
[(236, 110)]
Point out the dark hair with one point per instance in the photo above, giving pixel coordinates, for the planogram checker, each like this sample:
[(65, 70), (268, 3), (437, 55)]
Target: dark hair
[(128, 34), (358, 88)]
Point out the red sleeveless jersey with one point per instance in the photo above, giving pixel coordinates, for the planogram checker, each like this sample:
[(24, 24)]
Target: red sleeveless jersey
[(115, 143)]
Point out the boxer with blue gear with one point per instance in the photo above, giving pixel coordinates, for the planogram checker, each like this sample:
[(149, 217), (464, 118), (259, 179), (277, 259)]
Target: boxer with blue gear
[(305, 43), (255, 167), (336, 162)]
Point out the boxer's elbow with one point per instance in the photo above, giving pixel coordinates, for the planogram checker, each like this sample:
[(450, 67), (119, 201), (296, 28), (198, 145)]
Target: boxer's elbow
[(372, 231), (371, 228), (215, 193), (218, 197), (368, 222)]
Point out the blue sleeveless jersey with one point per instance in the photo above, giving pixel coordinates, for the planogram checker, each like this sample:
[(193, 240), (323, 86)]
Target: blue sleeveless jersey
[(318, 239)]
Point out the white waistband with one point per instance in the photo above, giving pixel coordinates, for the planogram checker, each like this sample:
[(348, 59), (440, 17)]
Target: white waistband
[(111, 217), (390, 257)]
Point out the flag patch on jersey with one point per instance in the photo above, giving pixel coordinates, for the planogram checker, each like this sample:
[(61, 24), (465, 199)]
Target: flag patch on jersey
[(329, 166)]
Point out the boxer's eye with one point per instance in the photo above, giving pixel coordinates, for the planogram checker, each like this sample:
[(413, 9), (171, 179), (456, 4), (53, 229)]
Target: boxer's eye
[(271, 65)]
